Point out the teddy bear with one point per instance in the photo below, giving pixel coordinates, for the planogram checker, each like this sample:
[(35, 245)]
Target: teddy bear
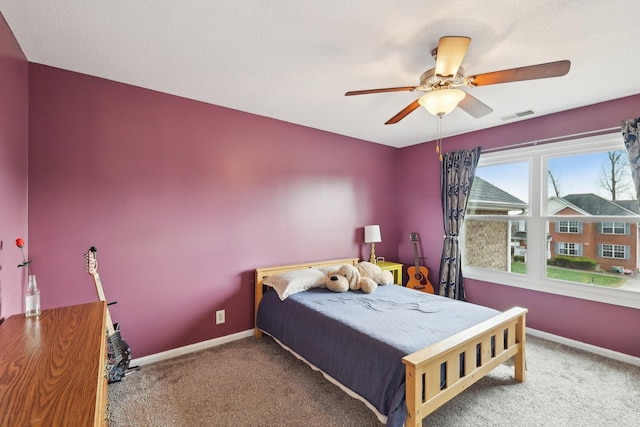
[(374, 272), (336, 282), (356, 281), (364, 277), (348, 278)]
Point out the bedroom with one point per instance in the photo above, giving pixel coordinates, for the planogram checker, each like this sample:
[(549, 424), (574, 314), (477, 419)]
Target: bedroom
[(184, 199)]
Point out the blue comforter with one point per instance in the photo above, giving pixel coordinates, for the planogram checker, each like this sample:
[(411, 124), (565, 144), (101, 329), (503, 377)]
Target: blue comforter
[(360, 339)]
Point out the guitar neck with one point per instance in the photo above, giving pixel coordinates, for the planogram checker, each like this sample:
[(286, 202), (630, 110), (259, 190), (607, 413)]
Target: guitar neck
[(96, 279)]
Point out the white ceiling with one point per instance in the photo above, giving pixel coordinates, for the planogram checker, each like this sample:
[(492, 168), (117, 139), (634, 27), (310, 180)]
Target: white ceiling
[(293, 60)]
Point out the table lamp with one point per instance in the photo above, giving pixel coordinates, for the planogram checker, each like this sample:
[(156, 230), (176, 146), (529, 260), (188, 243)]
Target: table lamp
[(372, 235)]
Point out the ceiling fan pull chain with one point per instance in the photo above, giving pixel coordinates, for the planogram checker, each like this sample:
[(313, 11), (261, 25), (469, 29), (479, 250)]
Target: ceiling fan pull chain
[(439, 138)]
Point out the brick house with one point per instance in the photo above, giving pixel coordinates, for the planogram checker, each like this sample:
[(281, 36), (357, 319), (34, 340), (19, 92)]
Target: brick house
[(613, 245), (491, 244)]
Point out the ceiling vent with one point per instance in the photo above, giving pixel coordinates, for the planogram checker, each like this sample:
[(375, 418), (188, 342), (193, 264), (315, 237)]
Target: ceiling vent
[(517, 115)]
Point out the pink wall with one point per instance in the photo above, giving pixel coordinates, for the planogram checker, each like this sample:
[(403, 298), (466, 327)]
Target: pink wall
[(13, 168), (603, 325), (183, 199)]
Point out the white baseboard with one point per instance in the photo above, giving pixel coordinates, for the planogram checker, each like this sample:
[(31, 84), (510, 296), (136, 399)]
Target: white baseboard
[(611, 354), (170, 354)]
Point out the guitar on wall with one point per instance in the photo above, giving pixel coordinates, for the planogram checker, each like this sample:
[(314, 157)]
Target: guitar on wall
[(418, 274), (118, 351)]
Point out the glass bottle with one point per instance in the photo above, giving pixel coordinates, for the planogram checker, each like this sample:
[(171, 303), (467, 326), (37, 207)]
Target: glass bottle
[(32, 298)]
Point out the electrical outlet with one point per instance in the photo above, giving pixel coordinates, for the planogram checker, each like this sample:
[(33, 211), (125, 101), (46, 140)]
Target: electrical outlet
[(219, 317)]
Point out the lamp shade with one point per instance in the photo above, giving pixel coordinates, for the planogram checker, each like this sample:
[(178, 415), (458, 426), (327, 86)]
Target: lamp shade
[(372, 234), (441, 101)]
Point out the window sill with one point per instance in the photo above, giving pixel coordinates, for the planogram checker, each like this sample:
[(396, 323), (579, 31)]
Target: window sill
[(621, 297)]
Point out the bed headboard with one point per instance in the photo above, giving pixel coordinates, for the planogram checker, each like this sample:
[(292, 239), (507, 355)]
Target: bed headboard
[(264, 272)]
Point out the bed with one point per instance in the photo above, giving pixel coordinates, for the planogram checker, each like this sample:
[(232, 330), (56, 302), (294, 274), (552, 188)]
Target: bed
[(403, 352)]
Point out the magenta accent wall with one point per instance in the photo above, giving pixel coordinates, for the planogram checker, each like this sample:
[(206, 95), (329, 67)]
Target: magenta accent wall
[(599, 324), (13, 168), (184, 199)]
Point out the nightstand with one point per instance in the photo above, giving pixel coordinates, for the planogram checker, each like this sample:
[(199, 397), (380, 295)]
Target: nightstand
[(395, 269)]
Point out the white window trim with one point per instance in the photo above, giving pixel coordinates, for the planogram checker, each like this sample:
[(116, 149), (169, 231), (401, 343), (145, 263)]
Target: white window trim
[(614, 251), (574, 247), (569, 227), (535, 279), (614, 226)]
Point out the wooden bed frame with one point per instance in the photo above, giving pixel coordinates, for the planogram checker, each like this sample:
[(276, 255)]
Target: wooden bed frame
[(478, 349)]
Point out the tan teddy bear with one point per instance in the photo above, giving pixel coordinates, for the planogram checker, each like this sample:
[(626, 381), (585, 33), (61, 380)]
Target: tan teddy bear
[(346, 278), (364, 277), (336, 282), (374, 272), (367, 282)]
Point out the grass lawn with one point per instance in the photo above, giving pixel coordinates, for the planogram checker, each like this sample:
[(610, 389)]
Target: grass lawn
[(579, 276)]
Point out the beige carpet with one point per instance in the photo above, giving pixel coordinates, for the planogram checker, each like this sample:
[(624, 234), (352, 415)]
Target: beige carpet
[(253, 382)]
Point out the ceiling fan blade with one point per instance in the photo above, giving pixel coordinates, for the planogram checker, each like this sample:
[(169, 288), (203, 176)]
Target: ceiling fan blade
[(532, 72), (474, 106), (449, 54), (404, 113), (388, 89)]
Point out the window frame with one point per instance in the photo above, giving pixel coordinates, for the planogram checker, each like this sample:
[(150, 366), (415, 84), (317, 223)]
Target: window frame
[(537, 220), (615, 225), (571, 225), (615, 249), (568, 248)]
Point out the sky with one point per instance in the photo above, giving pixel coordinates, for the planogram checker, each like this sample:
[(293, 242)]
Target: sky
[(574, 174)]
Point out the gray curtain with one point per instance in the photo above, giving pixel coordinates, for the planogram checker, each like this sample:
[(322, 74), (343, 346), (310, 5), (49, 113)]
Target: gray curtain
[(631, 134), (456, 176)]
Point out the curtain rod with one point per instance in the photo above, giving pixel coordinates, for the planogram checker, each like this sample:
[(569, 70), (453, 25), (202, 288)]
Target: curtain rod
[(555, 139)]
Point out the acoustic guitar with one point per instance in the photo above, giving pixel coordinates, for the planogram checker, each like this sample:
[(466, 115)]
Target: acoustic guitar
[(418, 274), (118, 351)]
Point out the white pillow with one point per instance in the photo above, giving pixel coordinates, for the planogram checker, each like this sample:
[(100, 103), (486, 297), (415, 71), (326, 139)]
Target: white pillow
[(292, 282)]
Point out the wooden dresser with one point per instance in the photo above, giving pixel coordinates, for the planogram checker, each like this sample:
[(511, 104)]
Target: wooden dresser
[(52, 368)]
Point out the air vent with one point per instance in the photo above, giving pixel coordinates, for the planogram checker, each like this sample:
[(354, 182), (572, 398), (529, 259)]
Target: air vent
[(517, 115)]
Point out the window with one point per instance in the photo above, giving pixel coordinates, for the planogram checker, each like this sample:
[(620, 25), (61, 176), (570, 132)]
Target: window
[(546, 218), (569, 227), (572, 249), (615, 251), (610, 227)]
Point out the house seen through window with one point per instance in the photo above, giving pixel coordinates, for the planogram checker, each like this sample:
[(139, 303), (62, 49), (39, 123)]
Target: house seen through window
[(561, 218)]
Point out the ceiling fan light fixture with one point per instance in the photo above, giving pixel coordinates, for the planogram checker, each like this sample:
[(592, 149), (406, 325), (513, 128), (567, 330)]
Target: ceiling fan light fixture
[(441, 101)]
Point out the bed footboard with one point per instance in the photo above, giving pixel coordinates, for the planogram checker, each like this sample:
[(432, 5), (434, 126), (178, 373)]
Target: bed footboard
[(463, 358)]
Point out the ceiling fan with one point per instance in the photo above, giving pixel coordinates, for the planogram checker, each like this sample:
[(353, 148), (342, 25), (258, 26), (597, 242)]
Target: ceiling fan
[(441, 83)]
